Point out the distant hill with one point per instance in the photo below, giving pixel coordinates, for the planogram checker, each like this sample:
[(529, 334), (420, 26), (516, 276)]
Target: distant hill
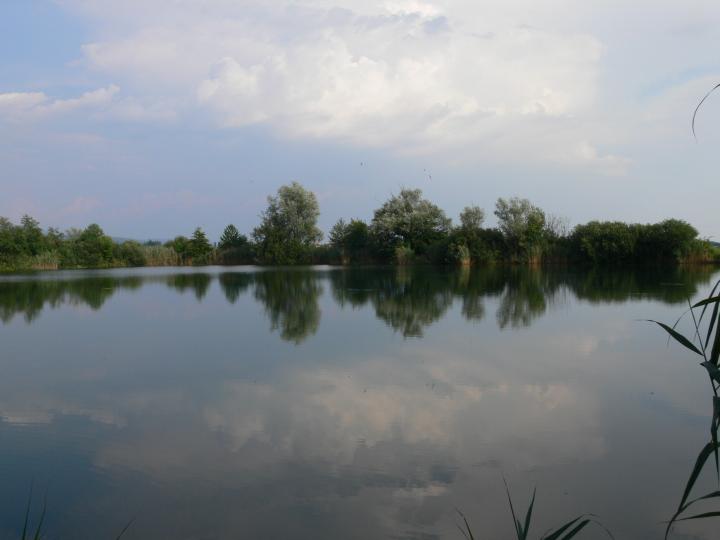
[(121, 240)]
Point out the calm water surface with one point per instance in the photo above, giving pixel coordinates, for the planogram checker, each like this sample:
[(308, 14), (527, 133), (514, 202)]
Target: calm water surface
[(329, 403)]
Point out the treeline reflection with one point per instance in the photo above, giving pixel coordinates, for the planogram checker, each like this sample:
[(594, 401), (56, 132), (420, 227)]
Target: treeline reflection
[(408, 300)]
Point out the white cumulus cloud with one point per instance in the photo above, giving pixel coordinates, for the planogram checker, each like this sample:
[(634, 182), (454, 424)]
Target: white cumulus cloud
[(407, 75)]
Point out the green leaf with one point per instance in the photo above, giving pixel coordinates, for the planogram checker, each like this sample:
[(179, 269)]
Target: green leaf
[(705, 453), (579, 527), (713, 320), (715, 353), (685, 342), (712, 370), (528, 516), (556, 534), (710, 300), (40, 523), (468, 535), (132, 520), (700, 516), (27, 514), (692, 124), (711, 495), (518, 530)]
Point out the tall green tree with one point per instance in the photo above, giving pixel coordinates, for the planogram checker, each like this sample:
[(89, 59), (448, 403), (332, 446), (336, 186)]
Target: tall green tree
[(407, 220), (471, 219), (523, 226), (33, 238), (89, 248), (231, 238), (350, 239), (288, 230), (199, 247)]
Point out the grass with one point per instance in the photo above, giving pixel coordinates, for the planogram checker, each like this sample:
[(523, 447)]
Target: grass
[(27, 529), (704, 342), (522, 527), (26, 524)]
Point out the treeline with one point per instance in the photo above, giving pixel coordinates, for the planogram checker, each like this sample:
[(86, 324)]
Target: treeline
[(405, 229)]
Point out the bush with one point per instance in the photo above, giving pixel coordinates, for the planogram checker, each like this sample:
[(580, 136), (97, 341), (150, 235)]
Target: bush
[(404, 255), (160, 256), (130, 253), (461, 254), (604, 242)]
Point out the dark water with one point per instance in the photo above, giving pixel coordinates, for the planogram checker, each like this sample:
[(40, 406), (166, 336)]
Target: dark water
[(363, 403)]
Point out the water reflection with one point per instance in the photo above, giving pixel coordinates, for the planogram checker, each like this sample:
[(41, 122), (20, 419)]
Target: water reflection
[(408, 300), (290, 299), (209, 426), (29, 297), (234, 284), (196, 282)]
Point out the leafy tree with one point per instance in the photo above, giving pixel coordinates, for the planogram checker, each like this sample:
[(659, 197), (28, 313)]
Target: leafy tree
[(522, 225), (32, 235), (288, 231), (350, 239), (671, 240), (90, 248), (181, 246), (130, 253), (338, 233), (54, 239), (408, 220), (357, 238), (10, 241), (605, 241), (472, 218)]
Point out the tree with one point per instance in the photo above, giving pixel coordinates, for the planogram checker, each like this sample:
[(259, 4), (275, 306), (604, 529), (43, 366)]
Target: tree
[(181, 246), (89, 248), (231, 238), (32, 235), (472, 218), (605, 241), (522, 225), (338, 233), (407, 220), (234, 247), (288, 230), (350, 239), (199, 247), (357, 237), (54, 238), (10, 243), (130, 253)]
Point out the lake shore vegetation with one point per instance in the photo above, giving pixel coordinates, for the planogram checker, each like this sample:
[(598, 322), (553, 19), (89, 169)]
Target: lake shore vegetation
[(405, 229)]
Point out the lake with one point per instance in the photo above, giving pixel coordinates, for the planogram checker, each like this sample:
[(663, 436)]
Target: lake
[(314, 403)]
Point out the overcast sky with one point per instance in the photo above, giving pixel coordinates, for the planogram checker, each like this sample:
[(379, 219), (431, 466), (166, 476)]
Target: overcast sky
[(151, 117)]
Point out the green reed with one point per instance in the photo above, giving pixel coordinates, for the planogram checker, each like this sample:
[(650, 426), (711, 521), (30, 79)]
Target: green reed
[(704, 342), (522, 528)]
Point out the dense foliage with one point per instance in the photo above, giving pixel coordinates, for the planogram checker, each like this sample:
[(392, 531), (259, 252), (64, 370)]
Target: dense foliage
[(288, 231), (406, 228), (406, 225)]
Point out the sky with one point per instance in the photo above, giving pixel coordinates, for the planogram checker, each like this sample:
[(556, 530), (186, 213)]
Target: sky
[(152, 117)]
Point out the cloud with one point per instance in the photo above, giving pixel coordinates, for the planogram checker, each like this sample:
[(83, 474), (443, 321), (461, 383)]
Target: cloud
[(410, 76), (17, 106)]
